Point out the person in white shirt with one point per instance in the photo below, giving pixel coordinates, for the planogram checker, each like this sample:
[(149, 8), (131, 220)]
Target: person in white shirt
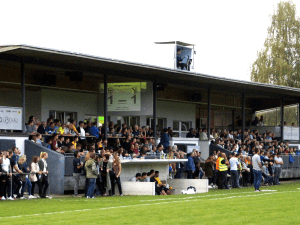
[(257, 169), (35, 174), (203, 135), (82, 135), (234, 165), (277, 166), (5, 176)]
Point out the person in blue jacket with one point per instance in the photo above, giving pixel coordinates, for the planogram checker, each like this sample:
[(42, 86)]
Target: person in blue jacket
[(190, 166), (164, 140), (94, 131)]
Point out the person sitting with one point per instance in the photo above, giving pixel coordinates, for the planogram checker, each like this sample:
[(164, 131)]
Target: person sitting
[(191, 133), (267, 176), (54, 144), (50, 129), (150, 175), (203, 135), (160, 188), (136, 178), (143, 177), (136, 132), (61, 129), (94, 131), (42, 128), (48, 144), (30, 128)]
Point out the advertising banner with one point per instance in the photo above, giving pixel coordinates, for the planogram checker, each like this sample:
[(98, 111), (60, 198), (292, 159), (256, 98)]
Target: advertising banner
[(10, 118)]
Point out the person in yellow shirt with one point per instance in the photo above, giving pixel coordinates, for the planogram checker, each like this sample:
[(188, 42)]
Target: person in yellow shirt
[(61, 130), (160, 188), (75, 141), (72, 125)]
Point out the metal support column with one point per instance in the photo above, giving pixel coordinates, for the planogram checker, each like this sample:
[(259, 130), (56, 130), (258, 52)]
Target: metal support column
[(105, 107), (154, 109), (23, 95), (232, 126), (282, 118), (299, 114), (243, 117), (208, 112)]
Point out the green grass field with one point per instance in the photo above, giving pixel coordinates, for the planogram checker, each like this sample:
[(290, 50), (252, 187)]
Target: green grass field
[(235, 206)]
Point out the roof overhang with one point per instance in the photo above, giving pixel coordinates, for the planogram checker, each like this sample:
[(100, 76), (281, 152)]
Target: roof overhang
[(101, 65)]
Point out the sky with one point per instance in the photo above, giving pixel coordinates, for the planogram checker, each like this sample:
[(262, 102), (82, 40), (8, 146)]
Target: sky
[(227, 34)]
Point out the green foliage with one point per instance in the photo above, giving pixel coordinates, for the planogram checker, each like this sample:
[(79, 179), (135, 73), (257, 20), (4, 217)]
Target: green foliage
[(272, 117), (279, 61)]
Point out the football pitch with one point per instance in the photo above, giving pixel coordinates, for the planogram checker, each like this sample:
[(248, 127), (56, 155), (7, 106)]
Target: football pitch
[(273, 205)]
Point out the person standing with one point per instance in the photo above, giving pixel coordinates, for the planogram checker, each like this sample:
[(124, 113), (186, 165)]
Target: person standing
[(115, 176), (35, 174), (44, 178), (105, 167), (257, 169), (209, 163), (277, 166), (25, 181), (234, 166), (190, 166), (77, 167), (165, 138), (6, 175), (223, 168), (217, 179), (91, 175)]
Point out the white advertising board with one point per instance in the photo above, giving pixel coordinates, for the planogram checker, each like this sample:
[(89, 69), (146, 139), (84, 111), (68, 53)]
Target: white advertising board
[(291, 133), (124, 97), (10, 118)]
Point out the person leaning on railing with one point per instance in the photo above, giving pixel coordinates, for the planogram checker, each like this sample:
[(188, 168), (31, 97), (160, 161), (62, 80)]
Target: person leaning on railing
[(16, 182), (25, 177)]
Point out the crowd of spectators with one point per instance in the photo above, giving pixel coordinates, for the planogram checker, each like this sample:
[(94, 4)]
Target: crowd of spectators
[(103, 157), (16, 175)]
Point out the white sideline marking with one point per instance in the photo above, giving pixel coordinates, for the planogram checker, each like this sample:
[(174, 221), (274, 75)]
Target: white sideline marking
[(205, 196), (157, 203)]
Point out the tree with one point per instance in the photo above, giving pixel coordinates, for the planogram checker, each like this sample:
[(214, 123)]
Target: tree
[(279, 61)]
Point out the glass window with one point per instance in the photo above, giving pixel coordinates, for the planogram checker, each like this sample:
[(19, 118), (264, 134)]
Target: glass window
[(63, 116)]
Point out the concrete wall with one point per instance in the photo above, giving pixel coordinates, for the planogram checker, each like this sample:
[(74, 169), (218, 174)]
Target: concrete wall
[(204, 148), (82, 103), (137, 188), (201, 185), (18, 142), (176, 111), (56, 165)]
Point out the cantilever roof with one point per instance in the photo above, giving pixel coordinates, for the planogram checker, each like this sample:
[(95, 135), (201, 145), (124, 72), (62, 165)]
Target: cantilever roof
[(101, 65), (175, 42)]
